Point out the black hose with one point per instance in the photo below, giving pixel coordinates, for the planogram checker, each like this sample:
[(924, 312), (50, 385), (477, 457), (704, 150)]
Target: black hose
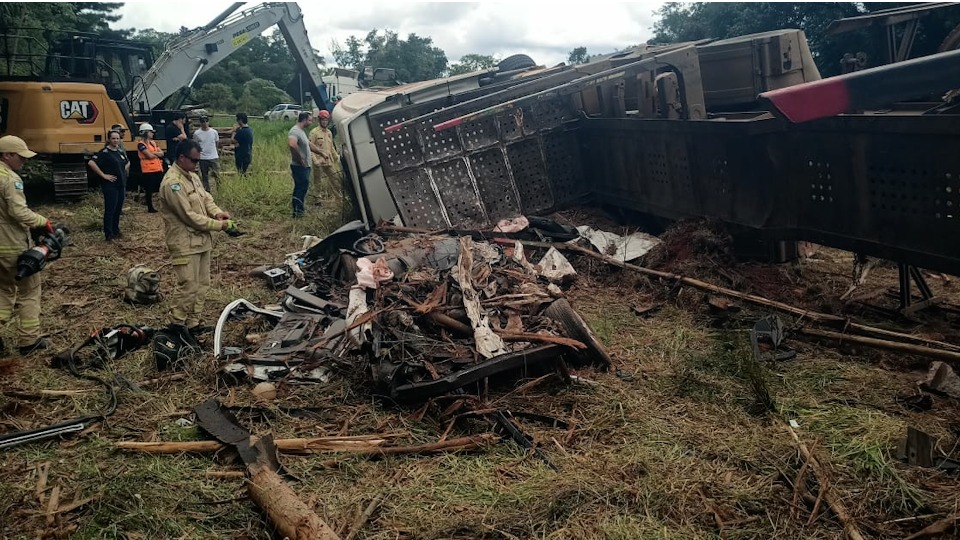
[(111, 392)]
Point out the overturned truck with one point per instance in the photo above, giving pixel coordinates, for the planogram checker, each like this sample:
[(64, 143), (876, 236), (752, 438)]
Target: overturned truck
[(742, 130)]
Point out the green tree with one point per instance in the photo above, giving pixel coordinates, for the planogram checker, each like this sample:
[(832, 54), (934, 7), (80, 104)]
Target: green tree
[(157, 40), (414, 58), (39, 24), (578, 56), (473, 62), (267, 58), (70, 16), (217, 96), (352, 56), (97, 16), (259, 95)]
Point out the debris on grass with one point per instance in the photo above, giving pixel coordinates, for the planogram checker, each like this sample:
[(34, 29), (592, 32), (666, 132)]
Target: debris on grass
[(662, 445), (438, 317)]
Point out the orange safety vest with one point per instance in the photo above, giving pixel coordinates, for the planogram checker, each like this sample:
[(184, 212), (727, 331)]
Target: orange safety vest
[(150, 165)]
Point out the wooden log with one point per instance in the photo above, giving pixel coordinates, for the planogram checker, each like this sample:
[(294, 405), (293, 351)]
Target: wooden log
[(315, 446), (292, 517), (937, 528), (835, 504), (457, 326), (225, 474), (822, 318), (452, 445), (947, 356), (195, 447)]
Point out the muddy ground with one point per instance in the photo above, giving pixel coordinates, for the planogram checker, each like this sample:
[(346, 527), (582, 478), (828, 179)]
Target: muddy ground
[(680, 439)]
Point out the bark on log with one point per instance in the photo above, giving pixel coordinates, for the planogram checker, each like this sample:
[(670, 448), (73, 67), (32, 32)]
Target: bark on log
[(315, 446), (822, 318), (947, 356), (292, 517)]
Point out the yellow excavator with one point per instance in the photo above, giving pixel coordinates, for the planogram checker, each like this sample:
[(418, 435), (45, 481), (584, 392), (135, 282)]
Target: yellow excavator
[(61, 92)]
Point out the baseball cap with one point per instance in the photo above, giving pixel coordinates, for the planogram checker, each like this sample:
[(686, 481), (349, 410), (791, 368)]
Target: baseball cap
[(12, 143)]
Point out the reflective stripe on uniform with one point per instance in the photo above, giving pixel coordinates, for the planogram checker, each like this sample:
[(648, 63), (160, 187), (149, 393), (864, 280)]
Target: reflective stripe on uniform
[(29, 323), (12, 250), (180, 261)]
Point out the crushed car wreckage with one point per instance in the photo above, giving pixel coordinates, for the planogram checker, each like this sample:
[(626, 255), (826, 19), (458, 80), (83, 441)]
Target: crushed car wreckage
[(427, 314)]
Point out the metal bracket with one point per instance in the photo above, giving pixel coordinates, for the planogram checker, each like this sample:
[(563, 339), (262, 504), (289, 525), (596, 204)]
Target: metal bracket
[(907, 305)]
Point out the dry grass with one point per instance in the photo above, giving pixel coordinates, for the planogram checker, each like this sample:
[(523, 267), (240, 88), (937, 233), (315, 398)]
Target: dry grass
[(668, 444)]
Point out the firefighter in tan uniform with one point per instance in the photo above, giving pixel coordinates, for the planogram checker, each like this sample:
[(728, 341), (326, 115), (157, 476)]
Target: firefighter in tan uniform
[(21, 298), (325, 159), (189, 218)]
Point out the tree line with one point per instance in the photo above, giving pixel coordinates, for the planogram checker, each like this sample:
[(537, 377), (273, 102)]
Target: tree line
[(264, 73)]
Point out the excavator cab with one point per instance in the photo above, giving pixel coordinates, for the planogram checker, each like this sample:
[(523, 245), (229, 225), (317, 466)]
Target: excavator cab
[(60, 92), (56, 56)]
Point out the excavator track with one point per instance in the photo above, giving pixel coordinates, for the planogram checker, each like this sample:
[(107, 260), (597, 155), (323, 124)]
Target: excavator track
[(69, 181)]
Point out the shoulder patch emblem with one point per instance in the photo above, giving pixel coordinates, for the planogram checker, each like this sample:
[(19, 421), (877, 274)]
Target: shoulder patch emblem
[(175, 187), (19, 185)]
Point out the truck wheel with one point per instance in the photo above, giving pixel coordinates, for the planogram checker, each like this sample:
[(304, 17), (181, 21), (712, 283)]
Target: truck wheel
[(516, 61), (952, 41)]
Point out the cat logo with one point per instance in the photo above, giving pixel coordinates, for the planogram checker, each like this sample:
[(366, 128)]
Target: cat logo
[(83, 111)]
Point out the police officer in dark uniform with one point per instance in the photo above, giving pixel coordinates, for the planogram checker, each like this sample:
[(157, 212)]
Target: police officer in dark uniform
[(112, 165)]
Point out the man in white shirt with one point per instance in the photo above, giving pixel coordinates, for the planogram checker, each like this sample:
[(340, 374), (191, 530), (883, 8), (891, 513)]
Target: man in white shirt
[(207, 138)]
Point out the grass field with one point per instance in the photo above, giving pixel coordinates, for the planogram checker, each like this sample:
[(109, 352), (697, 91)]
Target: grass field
[(669, 444)]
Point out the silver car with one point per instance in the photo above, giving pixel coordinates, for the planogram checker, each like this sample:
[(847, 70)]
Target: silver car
[(283, 111)]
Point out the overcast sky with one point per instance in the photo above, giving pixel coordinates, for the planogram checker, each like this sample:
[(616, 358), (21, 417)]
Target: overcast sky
[(545, 31)]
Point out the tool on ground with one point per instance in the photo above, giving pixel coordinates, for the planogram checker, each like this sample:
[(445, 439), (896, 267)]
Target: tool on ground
[(49, 244), (108, 344), (76, 425)]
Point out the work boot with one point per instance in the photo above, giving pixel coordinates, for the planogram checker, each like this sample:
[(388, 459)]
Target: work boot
[(39, 345), (199, 329)]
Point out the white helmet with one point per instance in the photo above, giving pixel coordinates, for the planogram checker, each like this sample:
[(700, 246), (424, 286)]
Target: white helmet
[(144, 127)]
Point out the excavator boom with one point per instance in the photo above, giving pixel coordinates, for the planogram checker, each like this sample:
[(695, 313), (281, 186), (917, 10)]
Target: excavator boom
[(190, 56)]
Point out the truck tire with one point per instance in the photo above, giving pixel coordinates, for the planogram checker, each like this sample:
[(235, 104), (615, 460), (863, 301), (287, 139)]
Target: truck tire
[(952, 41), (516, 61)]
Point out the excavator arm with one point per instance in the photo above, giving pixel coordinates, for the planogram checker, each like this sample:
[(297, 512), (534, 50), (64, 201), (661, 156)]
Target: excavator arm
[(188, 57)]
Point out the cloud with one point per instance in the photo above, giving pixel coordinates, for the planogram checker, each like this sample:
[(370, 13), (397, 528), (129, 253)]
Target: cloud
[(547, 32)]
